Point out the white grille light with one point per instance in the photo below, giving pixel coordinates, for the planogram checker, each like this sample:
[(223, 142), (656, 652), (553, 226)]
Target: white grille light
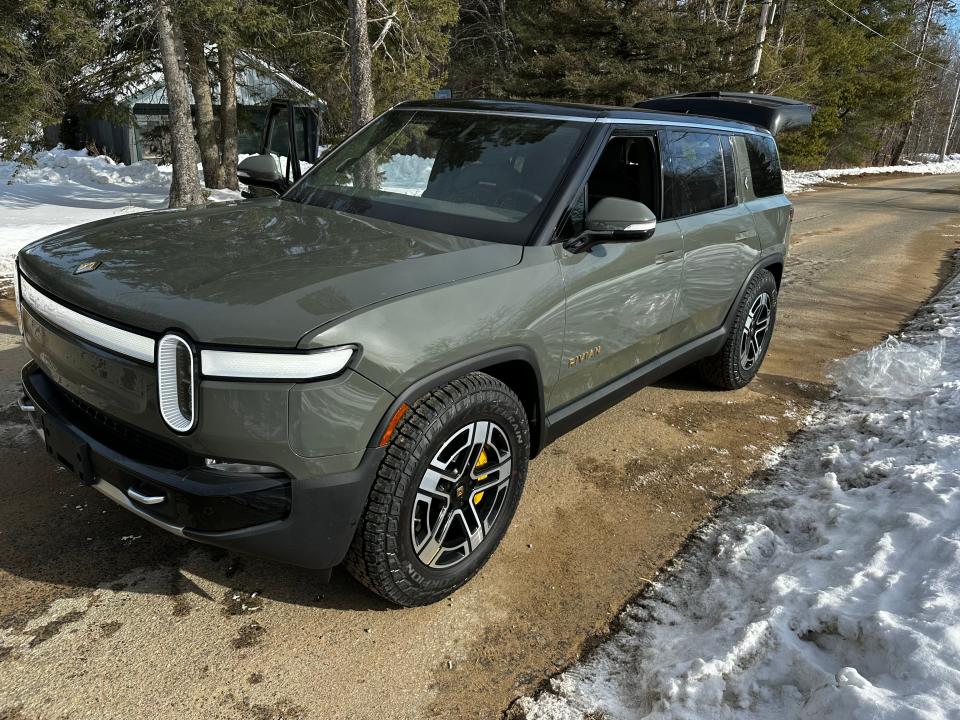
[(175, 383)]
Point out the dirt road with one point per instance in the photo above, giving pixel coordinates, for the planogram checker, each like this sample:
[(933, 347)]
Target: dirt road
[(103, 616)]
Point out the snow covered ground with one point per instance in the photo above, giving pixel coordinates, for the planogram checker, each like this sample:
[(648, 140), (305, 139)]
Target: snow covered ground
[(832, 590), (67, 188), (795, 181)]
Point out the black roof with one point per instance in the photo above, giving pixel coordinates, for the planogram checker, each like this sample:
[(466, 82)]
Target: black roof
[(576, 110)]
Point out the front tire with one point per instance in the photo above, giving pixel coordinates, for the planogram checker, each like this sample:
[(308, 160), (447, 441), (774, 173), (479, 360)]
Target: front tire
[(743, 352), (445, 492)]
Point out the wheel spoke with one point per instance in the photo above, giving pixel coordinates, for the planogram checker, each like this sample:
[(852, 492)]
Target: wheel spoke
[(434, 545), (432, 478), (474, 537), (504, 465), (489, 486)]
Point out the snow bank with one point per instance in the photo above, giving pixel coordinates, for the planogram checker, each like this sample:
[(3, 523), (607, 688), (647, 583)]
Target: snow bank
[(66, 188), (795, 181), (830, 591), (75, 166)]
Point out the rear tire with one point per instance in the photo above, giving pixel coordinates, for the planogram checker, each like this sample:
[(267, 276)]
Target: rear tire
[(434, 517), (743, 352)]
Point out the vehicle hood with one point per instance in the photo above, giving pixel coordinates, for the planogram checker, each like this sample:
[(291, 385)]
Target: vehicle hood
[(256, 272)]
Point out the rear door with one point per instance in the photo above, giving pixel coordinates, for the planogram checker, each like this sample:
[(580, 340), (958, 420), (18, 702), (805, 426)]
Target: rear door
[(620, 297), (762, 181), (720, 240)]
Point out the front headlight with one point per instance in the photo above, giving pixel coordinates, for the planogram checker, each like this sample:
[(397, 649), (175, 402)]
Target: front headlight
[(274, 366)]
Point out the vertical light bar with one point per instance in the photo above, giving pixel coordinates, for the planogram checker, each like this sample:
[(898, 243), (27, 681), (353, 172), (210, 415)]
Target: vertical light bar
[(176, 383)]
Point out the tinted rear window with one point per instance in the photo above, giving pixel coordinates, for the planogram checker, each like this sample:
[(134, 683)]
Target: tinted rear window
[(694, 177), (764, 165)]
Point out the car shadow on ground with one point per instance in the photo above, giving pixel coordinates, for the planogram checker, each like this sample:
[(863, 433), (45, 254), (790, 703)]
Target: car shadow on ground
[(688, 380), (58, 532)]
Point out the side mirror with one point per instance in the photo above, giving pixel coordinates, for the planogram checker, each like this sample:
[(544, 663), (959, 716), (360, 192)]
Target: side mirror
[(614, 219), (262, 171)]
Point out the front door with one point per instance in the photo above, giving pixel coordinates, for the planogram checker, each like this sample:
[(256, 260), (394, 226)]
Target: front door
[(620, 297)]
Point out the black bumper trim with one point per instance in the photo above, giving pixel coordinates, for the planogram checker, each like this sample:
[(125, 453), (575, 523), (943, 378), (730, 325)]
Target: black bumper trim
[(308, 521)]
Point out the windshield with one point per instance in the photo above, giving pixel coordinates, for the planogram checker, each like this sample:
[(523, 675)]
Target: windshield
[(474, 175)]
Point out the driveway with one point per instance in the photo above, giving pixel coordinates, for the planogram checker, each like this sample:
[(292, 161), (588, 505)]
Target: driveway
[(104, 616)]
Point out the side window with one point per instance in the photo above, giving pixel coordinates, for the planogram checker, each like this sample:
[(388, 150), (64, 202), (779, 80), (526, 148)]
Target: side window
[(694, 176), (729, 170), (279, 142), (629, 168), (764, 165)]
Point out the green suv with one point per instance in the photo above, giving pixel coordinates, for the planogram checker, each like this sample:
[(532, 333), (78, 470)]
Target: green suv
[(360, 370)]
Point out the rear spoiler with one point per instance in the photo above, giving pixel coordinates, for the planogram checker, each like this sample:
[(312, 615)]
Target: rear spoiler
[(773, 113)]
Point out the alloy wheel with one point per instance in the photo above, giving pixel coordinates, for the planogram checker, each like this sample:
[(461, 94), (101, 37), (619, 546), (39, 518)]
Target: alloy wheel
[(755, 331), (461, 494)]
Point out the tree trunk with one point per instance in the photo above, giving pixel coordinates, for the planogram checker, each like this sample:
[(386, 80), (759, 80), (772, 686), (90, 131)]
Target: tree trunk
[(185, 190), (953, 117), (361, 91), (206, 123), (228, 115), (361, 83), (908, 124), (783, 26), (761, 37)]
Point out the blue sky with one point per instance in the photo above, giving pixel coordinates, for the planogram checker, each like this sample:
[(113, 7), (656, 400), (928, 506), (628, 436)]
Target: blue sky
[(953, 21)]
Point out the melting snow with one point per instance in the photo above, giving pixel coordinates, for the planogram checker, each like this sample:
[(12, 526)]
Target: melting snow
[(832, 590), (795, 181)]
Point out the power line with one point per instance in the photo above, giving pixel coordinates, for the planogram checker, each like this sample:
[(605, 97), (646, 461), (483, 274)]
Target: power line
[(945, 68)]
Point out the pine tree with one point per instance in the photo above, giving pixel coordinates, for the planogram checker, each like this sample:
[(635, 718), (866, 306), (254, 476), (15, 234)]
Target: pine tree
[(45, 46)]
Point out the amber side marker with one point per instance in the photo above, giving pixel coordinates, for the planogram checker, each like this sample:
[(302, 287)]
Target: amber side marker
[(392, 425)]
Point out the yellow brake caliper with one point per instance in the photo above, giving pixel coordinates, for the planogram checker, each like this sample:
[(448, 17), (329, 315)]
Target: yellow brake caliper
[(481, 461)]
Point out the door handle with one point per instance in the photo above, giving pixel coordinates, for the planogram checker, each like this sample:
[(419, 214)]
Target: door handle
[(145, 499), (745, 235), (665, 256)]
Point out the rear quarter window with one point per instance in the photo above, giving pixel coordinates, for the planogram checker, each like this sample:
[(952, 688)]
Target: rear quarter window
[(764, 165)]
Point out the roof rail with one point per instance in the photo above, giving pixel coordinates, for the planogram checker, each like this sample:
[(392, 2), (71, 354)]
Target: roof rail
[(773, 113)]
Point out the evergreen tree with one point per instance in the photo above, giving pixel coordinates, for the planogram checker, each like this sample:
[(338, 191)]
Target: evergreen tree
[(45, 45), (610, 52)]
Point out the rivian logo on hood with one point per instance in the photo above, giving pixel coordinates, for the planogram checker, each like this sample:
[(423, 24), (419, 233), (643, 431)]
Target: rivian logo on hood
[(87, 267)]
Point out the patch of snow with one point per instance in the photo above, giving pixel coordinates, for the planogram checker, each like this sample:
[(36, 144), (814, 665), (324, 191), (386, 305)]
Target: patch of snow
[(65, 188), (405, 174), (795, 181), (830, 591)]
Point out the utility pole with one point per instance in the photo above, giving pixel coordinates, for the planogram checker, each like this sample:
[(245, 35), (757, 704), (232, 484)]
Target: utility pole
[(761, 37), (953, 117)]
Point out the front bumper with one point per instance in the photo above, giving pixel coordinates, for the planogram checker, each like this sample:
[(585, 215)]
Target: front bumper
[(307, 521)]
